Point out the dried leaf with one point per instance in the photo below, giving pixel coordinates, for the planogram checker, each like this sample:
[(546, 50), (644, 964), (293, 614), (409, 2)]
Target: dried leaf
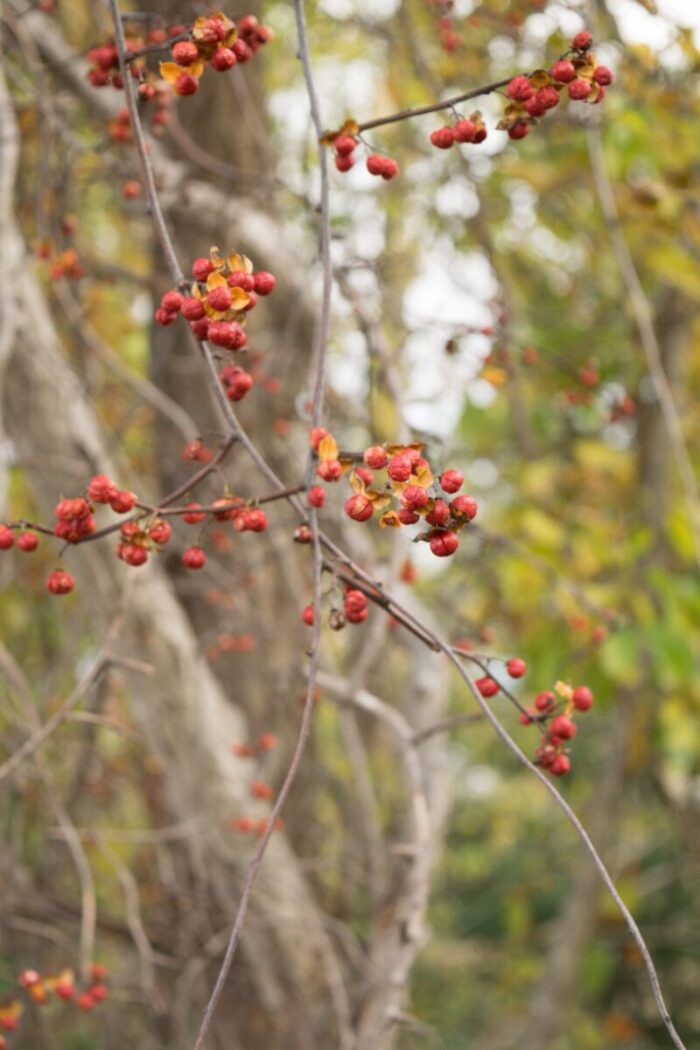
[(328, 448), (216, 280), (390, 520), (239, 263)]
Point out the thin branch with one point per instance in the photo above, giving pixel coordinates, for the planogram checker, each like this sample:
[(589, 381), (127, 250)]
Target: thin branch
[(435, 107)]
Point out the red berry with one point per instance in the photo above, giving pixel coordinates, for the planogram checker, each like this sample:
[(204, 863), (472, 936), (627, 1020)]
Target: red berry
[(560, 765), (172, 302), (223, 59), (329, 470), (316, 496), (239, 279), (264, 282), (391, 169), (98, 993), (241, 50), (185, 84), (316, 436), (519, 130), (603, 76), (220, 299), (123, 502), (98, 971), (582, 41), (563, 71), (414, 497), (548, 97), (443, 544), (464, 505), (579, 90), (132, 553), (440, 513), (194, 558), (193, 517), (27, 542), (375, 164), (487, 686), (582, 698), (7, 538), (192, 309), (464, 130), (562, 728), (451, 480), (27, 978), (85, 1001), (408, 516), (375, 457), (364, 475), (442, 138), (228, 334), (516, 667), (201, 268), (545, 701), (344, 145), (160, 532), (344, 163), (60, 582), (163, 317), (185, 53), (131, 189), (400, 468), (239, 385), (359, 508), (520, 89), (526, 719), (101, 489), (307, 615)]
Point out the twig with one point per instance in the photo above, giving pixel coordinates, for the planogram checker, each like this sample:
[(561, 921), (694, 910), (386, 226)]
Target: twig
[(435, 107)]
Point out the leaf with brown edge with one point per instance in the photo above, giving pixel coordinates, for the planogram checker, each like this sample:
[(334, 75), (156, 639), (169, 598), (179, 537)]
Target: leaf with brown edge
[(350, 127), (239, 298), (424, 478), (540, 78), (390, 520), (357, 484)]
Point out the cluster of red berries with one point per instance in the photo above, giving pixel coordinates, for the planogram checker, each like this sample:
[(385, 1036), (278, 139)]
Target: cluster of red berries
[(215, 41), (553, 710), (530, 97), (104, 64), (223, 293), (461, 131), (354, 610), (41, 988), (344, 143), (409, 481)]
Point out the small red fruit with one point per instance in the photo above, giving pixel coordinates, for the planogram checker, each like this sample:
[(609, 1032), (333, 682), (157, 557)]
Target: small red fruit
[(516, 667), (443, 544), (98, 993), (582, 41), (560, 765), (329, 470), (375, 457), (545, 701), (193, 517), (316, 496), (172, 302), (220, 299), (65, 989), (60, 582), (562, 728), (344, 145), (123, 502), (307, 615), (451, 480), (579, 90), (264, 283), (487, 686), (101, 489), (582, 698), (442, 138), (603, 76), (344, 163), (223, 59), (201, 268), (27, 542), (359, 508), (185, 53), (85, 1002), (464, 505), (464, 131), (520, 89), (7, 538), (192, 309), (185, 85), (194, 558), (400, 468), (563, 71)]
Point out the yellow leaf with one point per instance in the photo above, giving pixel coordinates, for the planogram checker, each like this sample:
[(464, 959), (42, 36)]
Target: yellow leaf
[(11, 1011), (239, 298), (170, 71), (389, 520), (217, 262), (356, 484), (216, 280), (379, 500), (540, 78), (239, 263), (424, 478), (495, 376), (328, 448)]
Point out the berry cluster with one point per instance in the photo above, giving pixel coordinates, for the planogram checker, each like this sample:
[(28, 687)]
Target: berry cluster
[(354, 610), (345, 141), (461, 131), (223, 293), (40, 988), (530, 97), (410, 482), (104, 64), (215, 41)]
